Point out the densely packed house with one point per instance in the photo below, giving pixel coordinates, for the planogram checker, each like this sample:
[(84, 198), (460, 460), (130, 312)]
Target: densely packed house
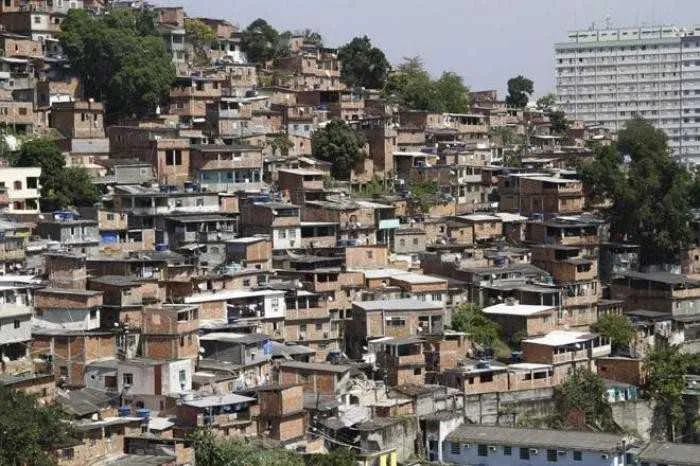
[(223, 283)]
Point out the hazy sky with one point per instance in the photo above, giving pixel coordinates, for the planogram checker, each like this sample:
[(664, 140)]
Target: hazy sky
[(486, 41)]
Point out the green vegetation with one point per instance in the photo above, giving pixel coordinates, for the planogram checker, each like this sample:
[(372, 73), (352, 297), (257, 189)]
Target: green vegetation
[(280, 143), (363, 64), (650, 198), (469, 318), (201, 37), (120, 59), (61, 186), (29, 432), (424, 193), (520, 89), (216, 452), (339, 144), (262, 43), (580, 403), (512, 144), (666, 368), (616, 327), (412, 87), (547, 102), (558, 121)]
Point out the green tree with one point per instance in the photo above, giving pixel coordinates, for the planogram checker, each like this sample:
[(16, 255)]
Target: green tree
[(411, 86), (336, 457), (424, 192), (650, 197), (312, 37), (520, 89), (60, 186), (118, 60), (547, 102), (470, 319), (580, 403), (617, 328), (666, 367), (363, 65), (30, 433), (452, 92), (261, 42), (558, 121), (280, 143), (340, 145), (214, 452), (201, 37)]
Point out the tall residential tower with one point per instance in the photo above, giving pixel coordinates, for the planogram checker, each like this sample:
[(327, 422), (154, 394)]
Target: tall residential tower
[(608, 76)]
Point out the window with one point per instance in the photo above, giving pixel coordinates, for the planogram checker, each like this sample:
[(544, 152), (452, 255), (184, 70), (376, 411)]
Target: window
[(93, 313), (370, 254), (127, 379), (507, 451), (578, 456), (454, 448), (482, 450), (22, 110), (37, 19), (552, 456), (17, 185), (17, 323), (68, 453), (319, 327), (246, 282), (436, 296), (417, 371), (110, 217), (524, 453)]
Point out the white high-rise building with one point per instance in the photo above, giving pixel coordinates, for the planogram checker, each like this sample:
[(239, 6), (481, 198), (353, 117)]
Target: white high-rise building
[(608, 76)]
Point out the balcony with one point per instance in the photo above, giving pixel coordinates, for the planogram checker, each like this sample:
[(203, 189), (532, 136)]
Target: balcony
[(409, 360), (16, 255), (312, 313), (570, 356), (223, 420), (600, 351)]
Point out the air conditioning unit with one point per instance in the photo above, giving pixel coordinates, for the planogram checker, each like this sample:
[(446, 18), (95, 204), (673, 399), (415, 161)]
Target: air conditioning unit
[(534, 451), (605, 456), (561, 452), (492, 447)]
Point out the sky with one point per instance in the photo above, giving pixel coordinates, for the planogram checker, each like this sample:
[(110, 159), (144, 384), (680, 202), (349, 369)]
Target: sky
[(485, 41)]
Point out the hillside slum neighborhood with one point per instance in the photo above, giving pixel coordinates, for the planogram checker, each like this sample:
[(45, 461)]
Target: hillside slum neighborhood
[(223, 283)]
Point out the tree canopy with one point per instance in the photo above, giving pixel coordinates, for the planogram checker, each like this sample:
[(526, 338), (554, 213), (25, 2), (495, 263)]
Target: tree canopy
[(29, 432), (363, 64), (340, 145), (280, 143), (411, 86), (616, 327), (547, 102), (580, 404), (666, 367), (649, 190), (60, 186), (520, 89), (470, 319), (262, 43), (201, 37), (120, 59), (216, 452)]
